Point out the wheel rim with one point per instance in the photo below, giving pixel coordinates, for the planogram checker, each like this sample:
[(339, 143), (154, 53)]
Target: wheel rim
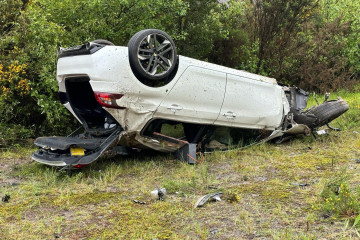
[(156, 54)]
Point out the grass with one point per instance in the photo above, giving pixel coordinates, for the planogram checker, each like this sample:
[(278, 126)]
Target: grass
[(270, 192)]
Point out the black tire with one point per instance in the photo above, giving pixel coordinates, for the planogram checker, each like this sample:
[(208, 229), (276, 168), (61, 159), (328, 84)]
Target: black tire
[(152, 56), (103, 42), (328, 111)]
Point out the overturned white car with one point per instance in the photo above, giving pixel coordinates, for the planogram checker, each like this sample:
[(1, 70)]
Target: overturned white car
[(146, 96)]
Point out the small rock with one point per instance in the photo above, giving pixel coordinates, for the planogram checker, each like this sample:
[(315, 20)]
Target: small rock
[(214, 231), (357, 160), (57, 235), (5, 198)]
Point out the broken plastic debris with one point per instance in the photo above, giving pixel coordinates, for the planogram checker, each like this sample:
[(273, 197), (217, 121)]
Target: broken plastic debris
[(300, 184), (214, 231), (158, 194), (5, 198), (138, 202), (322, 132), (217, 198), (206, 198)]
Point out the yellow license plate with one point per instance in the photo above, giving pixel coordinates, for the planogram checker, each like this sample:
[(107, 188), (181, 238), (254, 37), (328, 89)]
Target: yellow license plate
[(77, 151)]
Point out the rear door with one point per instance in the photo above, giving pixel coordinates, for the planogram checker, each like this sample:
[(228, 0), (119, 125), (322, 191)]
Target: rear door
[(251, 103), (196, 97)]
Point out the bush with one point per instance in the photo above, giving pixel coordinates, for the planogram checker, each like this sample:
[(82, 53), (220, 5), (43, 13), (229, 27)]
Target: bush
[(14, 134), (39, 27)]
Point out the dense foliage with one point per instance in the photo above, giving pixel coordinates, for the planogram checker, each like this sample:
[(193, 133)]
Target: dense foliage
[(311, 43)]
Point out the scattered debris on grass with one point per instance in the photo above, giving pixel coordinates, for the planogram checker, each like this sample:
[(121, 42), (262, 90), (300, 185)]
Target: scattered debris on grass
[(214, 196), (159, 194)]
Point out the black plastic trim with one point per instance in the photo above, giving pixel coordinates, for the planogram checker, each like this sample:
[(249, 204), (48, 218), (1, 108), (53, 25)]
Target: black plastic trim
[(63, 97), (85, 49), (64, 158)]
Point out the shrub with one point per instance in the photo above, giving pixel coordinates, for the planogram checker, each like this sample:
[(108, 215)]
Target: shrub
[(14, 134)]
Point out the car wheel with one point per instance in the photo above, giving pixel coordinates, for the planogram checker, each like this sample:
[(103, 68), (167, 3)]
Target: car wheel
[(328, 111), (152, 56)]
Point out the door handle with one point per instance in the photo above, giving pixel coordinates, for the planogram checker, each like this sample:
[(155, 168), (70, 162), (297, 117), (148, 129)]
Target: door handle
[(175, 107), (230, 115)]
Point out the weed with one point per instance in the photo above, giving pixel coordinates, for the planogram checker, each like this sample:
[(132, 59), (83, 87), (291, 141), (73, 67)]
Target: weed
[(338, 200), (233, 197)]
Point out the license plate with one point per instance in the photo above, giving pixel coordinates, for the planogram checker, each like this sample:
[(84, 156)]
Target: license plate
[(77, 151)]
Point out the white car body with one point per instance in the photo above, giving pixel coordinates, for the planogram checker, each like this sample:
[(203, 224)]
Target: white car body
[(200, 92)]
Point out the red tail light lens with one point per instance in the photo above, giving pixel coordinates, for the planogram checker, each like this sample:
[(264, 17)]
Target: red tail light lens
[(80, 165), (108, 99)]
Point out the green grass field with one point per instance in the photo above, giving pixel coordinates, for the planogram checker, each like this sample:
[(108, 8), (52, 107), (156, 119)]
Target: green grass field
[(301, 189)]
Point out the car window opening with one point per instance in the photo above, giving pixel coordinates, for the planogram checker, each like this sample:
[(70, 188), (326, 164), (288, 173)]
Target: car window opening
[(207, 137), (81, 97)]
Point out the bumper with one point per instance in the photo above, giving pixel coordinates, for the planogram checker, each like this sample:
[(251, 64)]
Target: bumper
[(54, 154)]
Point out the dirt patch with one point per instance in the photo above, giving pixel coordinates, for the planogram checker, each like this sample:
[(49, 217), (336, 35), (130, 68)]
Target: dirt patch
[(9, 163), (10, 182)]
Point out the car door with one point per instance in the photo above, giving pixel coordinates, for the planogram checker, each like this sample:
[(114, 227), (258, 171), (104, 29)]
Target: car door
[(196, 97), (251, 103)]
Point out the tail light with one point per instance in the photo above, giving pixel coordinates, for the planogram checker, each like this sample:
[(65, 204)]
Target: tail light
[(80, 165), (108, 99)]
